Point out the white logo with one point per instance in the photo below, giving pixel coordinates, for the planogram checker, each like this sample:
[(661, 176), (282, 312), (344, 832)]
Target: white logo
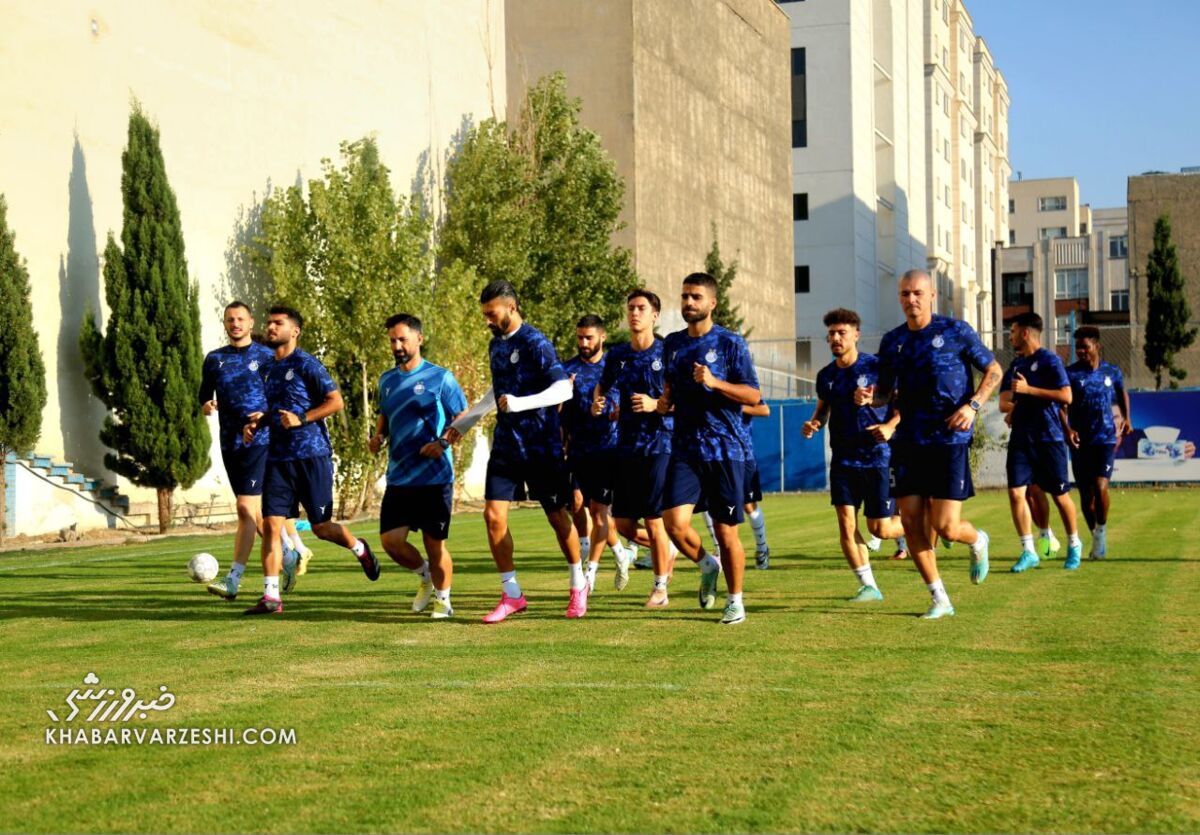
[(1108, 381), (711, 356), (1033, 367), (962, 482), (514, 357), (419, 388), (220, 363), (674, 354), (622, 363), (109, 709), (386, 389), (730, 509), (291, 375), (1107, 467), (321, 510), (253, 482), (443, 526), (938, 342), (656, 365), (862, 381), (253, 365)]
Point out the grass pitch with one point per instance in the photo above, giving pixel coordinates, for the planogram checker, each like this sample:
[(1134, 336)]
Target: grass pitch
[(1052, 702)]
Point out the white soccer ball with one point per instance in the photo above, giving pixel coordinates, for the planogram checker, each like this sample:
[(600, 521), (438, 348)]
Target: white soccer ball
[(203, 568)]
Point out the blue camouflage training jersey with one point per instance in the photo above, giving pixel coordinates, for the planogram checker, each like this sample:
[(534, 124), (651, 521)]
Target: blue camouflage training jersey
[(233, 376), (524, 363), (930, 370), (851, 443), (1035, 419), (1093, 393), (588, 435), (297, 383), (708, 425), (417, 406), (631, 372)]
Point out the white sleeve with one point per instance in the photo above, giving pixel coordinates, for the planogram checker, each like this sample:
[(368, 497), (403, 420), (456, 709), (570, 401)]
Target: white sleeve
[(559, 392), (476, 413)]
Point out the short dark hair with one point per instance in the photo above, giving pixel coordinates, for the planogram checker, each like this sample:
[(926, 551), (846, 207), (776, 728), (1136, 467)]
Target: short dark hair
[(842, 316), (643, 293), (1028, 320), (590, 321), (1088, 332), (290, 312), (701, 280), (238, 303), (498, 289), (407, 319)]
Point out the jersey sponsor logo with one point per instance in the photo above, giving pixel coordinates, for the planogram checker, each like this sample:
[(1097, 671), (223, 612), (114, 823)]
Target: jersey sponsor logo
[(1107, 381), (514, 357), (419, 388), (291, 375), (656, 365), (711, 356), (938, 342), (253, 365)]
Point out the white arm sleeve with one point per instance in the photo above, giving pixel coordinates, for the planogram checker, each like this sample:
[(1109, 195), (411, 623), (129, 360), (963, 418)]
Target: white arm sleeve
[(476, 413), (559, 392)]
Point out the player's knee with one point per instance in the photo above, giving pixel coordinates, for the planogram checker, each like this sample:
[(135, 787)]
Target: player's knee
[(246, 513), (495, 521), (327, 531), (875, 527), (627, 528)]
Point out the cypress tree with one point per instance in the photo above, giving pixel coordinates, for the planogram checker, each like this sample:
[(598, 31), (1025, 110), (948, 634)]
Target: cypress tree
[(23, 381), (146, 365), (727, 315), (1167, 331)]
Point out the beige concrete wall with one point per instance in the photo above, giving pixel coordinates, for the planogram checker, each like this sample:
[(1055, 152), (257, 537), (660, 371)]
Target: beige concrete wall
[(243, 94)]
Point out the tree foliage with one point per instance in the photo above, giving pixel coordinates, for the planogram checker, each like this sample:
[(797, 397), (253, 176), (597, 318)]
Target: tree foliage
[(727, 314), (1167, 329)]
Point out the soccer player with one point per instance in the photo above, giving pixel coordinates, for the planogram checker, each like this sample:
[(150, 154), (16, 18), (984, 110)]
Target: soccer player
[(300, 394), (417, 400), (633, 382), (709, 378), (1032, 390), (591, 443), (925, 366), (232, 388), (858, 471), (753, 485), (1091, 431), (528, 383)]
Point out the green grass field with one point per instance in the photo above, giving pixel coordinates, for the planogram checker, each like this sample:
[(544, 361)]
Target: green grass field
[(1052, 702)]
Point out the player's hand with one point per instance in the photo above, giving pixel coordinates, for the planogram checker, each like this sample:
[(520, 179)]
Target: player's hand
[(452, 435), (1189, 450), (375, 443), (882, 432), (962, 419), (810, 428), (209, 408), (1019, 385), (251, 427), (289, 420), (1008, 419), (432, 450), (598, 404), (864, 395), (1073, 438), (644, 403), (502, 403), (1126, 428), (703, 375)]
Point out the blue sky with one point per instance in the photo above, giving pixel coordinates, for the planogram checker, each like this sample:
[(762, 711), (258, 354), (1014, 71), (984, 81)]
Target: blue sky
[(1100, 90)]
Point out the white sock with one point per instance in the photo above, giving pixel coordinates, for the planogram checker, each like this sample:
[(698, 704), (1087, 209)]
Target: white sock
[(938, 592), (1101, 530), (660, 581), (358, 548), (733, 599), (593, 567), (758, 524), (1027, 542), (285, 539), (442, 595), (236, 571), (508, 583), (423, 571), (578, 580), (271, 587), (618, 550), (1046, 532), (1073, 540), (865, 575), (585, 546), (708, 563), (296, 541), (902, 543)]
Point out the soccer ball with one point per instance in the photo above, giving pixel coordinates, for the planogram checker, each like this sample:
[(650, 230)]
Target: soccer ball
[(203, 568)]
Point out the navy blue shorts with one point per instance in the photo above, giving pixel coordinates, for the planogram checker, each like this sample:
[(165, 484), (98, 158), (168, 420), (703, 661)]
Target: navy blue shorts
[(640, 486), (592, 475), (547, 478), (1092, 462), (426, 508), (935, 471), (1043, 463), (245, 468), (716, 486), (752, 483), (866, 487), (287, 485)]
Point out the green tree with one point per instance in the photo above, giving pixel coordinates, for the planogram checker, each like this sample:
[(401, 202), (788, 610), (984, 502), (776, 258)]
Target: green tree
[(145, 366), (727, 315), (23, 382), (245, 278), (537, 203), (1167, 331), (347, 255)]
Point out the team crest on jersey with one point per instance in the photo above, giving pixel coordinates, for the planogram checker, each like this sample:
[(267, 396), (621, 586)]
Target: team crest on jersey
[(419, 388), (253, 365), (711, 356), (1033, 367), (1107, 381), (938, 342), (514, 357), (862, 381), (291, 375), (656, 365)]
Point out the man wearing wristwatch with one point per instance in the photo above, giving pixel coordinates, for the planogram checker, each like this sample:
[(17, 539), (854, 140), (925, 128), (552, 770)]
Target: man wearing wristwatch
[(925, 372), (417, 401), (300, 394)]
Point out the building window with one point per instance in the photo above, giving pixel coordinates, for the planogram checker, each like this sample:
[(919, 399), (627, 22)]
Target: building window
[(801, 275), (946, 149), (1118, 247), (1012, 237), (1012, 206), (945, 57), (799, 99), (800, 206), (1018, 289), (1083, 229), (947, 196), (1047, 232), (962, 163), (1062, 330), (1052, 204), (1070, 284), (1118, 300)]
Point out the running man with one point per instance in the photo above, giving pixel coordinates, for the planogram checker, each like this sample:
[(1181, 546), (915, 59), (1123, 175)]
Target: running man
[(300, 394), (709, 378), (1032, 390), (417, 400)]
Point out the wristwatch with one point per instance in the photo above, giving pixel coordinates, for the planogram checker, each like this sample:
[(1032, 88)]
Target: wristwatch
[(975, 404), (443, 443)]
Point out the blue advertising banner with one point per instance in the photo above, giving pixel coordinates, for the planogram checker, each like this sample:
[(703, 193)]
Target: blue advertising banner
[(1163, 444), (786, 462)]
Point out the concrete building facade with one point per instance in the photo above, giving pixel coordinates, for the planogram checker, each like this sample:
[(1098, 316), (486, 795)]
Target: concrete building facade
[(691, 100), (858, 159), (1046, 208)]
